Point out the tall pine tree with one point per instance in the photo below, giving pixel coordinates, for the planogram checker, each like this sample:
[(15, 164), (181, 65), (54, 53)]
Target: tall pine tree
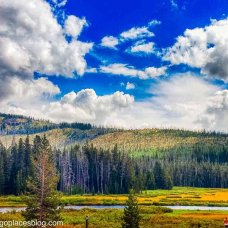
[(43, 199)]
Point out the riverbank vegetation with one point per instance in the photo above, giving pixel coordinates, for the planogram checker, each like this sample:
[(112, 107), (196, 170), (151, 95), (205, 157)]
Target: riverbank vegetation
[(187, 196)]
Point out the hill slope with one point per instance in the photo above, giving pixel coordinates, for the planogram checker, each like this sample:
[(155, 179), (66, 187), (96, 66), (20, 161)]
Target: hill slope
[(14, 127), (137, 140), (62, 135)]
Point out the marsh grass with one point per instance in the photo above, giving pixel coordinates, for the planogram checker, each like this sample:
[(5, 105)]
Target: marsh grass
[(157, 217), (187, 196)]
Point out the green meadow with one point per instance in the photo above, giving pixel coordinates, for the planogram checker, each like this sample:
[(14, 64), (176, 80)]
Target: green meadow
[(186, 196), (151, 216)]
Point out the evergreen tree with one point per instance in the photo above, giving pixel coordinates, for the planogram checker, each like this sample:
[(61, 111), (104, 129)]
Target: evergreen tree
[(162, 178), (20, 178), (43, 199), (28, 161), (12, 186), (3, 169), (2, 176), (131, 216), (150, 181), (168, 181)]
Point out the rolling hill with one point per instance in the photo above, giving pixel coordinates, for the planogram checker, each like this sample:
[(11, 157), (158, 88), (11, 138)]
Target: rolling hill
[(141, 158), (13, 127)]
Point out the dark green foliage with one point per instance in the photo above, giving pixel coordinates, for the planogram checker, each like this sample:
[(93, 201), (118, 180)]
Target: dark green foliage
[(92, 170), (131, 216), (42, 199), (3, 170), (87, 169), (28, 158), (2, 177), (150, 181), (162, 178)]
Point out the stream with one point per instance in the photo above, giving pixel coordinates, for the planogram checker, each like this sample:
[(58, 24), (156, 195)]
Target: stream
[(76, 207)]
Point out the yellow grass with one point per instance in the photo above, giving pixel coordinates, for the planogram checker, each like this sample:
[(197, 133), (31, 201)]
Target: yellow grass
[(176, 196), (204, 215)]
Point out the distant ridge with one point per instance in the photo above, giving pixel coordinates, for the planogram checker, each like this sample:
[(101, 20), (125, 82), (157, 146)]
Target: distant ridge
[(13, 127)]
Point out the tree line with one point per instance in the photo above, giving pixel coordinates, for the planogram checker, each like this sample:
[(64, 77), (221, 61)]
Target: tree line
[(87, 169), (82, 169), (17, 124)]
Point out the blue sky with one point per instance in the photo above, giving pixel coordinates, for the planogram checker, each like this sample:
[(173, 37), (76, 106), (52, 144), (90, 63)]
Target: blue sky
[(130, 64), (111, 18)]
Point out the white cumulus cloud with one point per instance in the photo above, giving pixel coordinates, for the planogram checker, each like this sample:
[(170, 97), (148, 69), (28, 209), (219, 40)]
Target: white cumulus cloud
[(154, 22), (27, 96), (183, 101), (32, 40), (130, 86), (136, 33), (125, 70), (87, 106), (142, 47), (59, 3), (179, 102), (215, 116), (74, 25), (109, 41), (205, 48)]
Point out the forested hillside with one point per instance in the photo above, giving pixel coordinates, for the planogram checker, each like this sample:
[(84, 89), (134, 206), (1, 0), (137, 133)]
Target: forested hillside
[(82, 169), (87, 169), (17, 124), (147, 139), (14, 127), (90, 159)]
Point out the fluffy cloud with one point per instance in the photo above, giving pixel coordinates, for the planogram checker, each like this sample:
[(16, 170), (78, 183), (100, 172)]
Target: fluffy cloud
[(35, 98), (183, 101), (74, 25), (154, 22), (109, 41), (205, 48), (125, 70), (142, 47), (59, 3), (215, 116), (183, 98), (153, 72), (136, 33), (179, 102), (86, 105), (174, 4), (32, 40), (190, 102), (26, 96), (130, 86)]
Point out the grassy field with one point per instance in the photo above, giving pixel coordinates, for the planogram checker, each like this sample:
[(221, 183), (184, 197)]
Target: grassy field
[(176, 196), (150, 217)]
